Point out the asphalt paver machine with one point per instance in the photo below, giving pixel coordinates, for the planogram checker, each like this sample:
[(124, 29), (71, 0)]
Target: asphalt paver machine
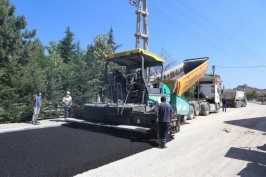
[(131, 94)]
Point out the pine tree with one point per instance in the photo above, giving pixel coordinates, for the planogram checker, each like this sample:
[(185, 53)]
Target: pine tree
[(67, 47), (54, 74), (95, 61), (111, 41), (17, 53), (80, 80), (12, 42), (24, 67)]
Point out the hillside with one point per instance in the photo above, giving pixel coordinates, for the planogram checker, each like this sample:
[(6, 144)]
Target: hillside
[(247, 88)]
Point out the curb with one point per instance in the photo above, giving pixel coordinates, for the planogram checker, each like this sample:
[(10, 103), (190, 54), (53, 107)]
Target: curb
[(70, 120), (31, 128)]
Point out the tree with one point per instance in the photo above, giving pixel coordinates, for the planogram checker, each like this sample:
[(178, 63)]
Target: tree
[(168, 63), (12, 41), (251, 95), (54, 74), (95, 60), (17, 51), (10, 36), (80, 80), (189, 94), (26, 65), (67, 47), (111, 41)]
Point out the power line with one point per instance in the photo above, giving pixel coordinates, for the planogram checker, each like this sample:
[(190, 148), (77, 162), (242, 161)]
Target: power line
[(209, 28), (192, 32), (239, 67), (245, 50)]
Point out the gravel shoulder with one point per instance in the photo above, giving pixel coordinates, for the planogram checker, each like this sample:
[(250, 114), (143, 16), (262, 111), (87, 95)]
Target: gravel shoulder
[(231, 143)]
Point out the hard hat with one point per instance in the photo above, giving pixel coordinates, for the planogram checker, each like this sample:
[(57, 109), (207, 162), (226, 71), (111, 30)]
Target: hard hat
[(68, 92)]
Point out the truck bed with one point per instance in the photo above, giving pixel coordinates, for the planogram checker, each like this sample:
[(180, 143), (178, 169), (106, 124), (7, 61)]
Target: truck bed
[(183, 76)]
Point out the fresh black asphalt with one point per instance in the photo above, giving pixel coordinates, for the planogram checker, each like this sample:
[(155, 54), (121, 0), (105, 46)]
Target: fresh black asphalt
[(66, 150)]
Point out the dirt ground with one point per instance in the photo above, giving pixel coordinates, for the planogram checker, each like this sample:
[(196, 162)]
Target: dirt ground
[(231, 143)]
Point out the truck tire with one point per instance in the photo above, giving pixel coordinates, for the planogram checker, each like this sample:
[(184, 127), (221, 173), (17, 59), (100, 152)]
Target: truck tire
[(178, 125), (191, 113), (243, 104), (183, 118), (196, 110), (175, 127), (206, 110), (217, 106), (237, 105)]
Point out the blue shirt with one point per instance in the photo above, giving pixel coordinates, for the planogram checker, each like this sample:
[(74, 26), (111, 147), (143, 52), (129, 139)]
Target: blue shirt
[(164, 110), (38, 101)]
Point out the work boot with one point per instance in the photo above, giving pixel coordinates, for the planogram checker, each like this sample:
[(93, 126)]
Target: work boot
[(163, 145)]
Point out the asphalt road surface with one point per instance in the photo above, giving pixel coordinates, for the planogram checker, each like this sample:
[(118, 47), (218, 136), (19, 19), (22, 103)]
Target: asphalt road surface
[(225, 144), (64, 151)]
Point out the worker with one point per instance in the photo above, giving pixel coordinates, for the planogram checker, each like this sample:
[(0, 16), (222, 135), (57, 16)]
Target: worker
[(224, 105), (165, 113), (37, 102), (119, 79), (67, 101)]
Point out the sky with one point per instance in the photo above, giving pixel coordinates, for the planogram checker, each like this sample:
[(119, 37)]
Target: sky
[(231, 33)]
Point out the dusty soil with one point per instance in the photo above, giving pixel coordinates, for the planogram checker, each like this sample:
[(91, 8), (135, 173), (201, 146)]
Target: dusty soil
[(231, 143)]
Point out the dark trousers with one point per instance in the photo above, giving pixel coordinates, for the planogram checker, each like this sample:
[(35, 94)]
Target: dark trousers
[(67, 111), (163, 131), (224, 107)]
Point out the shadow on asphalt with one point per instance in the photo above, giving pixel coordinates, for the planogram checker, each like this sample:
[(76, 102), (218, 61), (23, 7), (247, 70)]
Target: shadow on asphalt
[(258, 123), (253, 170), (257, 165), (130, 135), (57, 120), (260, 103), (184, 123), (263, 148)]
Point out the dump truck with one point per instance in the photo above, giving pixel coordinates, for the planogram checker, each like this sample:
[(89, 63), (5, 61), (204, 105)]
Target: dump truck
[(207, 95), (132, 93), (207, 92), (235, 98)]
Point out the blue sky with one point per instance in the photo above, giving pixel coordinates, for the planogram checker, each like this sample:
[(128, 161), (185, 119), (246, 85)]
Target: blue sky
[(231, 33)]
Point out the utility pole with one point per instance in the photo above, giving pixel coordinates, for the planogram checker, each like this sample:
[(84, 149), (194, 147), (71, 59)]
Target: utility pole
[(142, 15), (213, 70)]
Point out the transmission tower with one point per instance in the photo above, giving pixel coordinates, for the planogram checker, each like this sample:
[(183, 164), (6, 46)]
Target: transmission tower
[(142, 15)]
